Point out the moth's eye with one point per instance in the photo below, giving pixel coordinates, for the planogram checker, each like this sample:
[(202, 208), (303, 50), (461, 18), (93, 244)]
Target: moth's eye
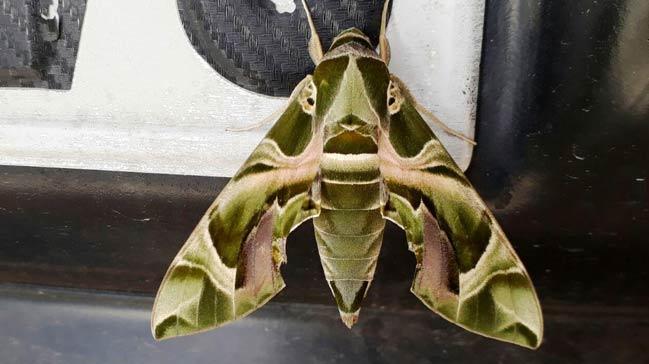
[(308, 97), (394, 99)]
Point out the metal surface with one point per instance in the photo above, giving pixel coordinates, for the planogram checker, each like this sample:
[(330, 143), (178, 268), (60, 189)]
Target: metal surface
[(39, 40), (51, 326)]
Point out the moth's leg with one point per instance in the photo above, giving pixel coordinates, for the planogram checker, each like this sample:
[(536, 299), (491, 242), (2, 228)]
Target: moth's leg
[(384, 45), (315, 47), (267, 120), (429, 114)]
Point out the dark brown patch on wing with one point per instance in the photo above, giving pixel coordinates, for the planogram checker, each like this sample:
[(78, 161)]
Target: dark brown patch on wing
[(437, 271), (256, 268)]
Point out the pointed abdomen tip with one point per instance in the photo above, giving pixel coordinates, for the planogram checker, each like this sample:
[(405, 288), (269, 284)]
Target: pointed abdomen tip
[(349, 319)]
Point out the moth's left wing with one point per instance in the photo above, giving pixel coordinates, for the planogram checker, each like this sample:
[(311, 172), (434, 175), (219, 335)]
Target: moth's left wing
[(229, 266), (467, 270)]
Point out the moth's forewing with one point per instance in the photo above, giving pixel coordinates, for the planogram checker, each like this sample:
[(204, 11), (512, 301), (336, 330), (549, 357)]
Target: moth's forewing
[(229, 266), (467, 270)]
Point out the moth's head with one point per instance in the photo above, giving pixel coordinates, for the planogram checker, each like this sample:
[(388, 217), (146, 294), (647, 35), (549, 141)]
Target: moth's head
[(352, 35), (351, 84)]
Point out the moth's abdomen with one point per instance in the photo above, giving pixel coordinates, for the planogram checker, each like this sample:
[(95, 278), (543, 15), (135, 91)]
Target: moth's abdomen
[(349, 229)]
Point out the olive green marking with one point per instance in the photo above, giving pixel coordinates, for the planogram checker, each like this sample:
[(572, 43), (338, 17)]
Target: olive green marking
[(377, 78), (327, 77), (409, 133), (449, 172), (293, 130), (343, 290)]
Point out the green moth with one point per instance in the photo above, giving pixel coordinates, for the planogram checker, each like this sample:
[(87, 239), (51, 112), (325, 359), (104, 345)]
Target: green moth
[(350, 151)]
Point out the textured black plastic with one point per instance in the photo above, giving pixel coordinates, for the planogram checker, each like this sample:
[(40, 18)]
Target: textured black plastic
[(254, 46), (37, 52)]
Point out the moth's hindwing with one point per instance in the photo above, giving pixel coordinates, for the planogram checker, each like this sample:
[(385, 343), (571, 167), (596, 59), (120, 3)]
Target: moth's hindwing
[(467, 270), (229, 266)]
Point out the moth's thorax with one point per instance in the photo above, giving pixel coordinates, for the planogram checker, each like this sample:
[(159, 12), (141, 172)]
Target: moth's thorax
[(351, 83)]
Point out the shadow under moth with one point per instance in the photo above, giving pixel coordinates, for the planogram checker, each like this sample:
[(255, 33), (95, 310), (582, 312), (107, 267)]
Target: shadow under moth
[(350, 150)]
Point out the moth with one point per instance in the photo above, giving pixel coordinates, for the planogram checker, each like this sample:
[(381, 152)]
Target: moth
[(351, 150)]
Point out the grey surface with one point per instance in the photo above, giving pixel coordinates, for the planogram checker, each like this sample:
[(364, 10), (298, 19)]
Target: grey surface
[(36, 51), (58, 326)]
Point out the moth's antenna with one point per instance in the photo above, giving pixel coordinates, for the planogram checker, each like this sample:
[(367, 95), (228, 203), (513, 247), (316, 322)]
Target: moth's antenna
[(384, 45), (315, 47)]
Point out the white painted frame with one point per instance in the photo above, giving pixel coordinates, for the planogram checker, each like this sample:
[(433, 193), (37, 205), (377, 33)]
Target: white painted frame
[(143, 100)]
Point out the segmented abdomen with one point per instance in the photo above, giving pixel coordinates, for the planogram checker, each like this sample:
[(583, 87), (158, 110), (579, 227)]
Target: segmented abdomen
[(349, 229)]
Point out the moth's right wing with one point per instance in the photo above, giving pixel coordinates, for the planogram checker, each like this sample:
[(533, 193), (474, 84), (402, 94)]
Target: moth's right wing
[(229, 266), (467, 271)]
